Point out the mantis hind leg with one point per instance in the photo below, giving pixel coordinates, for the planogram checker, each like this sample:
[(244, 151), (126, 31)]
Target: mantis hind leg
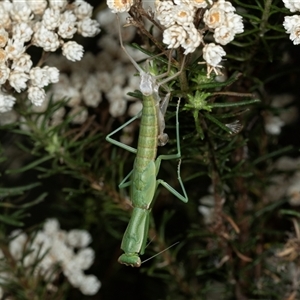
[(124, 183), (181, 197), (161, 111), (119, 144)]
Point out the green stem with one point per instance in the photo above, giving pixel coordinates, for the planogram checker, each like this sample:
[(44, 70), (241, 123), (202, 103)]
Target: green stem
[(265, 17), (182, 77)]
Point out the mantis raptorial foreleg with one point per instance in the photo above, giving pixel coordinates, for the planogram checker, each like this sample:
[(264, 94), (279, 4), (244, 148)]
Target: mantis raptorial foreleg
[(162, 136), (142, 179)]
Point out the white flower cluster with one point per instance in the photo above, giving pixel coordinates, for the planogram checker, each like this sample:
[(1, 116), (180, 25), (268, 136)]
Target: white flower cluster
[(107, 75), (44, 24), (206, 209), (285, 114), (178, 20), (285, 184), (53, 246), (178, 17), (292, 23)]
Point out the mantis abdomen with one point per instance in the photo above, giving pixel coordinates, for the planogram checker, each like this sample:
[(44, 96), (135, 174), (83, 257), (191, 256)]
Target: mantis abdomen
[(147, 142)]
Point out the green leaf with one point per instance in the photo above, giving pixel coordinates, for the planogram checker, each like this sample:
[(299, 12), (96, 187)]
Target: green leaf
[(13, 191), (9, 220), (217, 122), (30, 166)]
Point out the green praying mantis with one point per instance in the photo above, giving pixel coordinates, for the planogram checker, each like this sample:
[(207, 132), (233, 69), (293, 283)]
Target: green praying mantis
[(143, 179)]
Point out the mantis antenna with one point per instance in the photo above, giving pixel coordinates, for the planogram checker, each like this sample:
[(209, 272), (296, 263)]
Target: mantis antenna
[(160, 252)]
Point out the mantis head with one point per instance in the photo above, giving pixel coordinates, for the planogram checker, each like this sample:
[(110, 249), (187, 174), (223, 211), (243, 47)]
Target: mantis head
[(147, 84), (130, 259)]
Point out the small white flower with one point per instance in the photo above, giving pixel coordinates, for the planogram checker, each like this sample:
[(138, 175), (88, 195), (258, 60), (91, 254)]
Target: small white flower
[(119, 6), (84, 258), (117, 108), (106, 18), (174, 36), (183, 15), (39, 77), (5, 17), (16, 246), (235, 23), (90, 285), (4, 73), (118, 76), (18, 80), (3, 37), (223, 35), (53, 74), (135, 108), (83, 10), (58, 4), (115, 93), (290, 22), (78, 238), (46, 39), (199, 3), (207, 208), (22, 32), (51, 18), (225, 6), (23, 63), (67, 27), (21, 12), (36, 95), (163, 12), (6, 5), (3, 56), (207, 213), (75, 275), (60, 251), (79, 114), (90, 92), (51, 227), (292, 5), (212, 54), (105, 82), (287, 164), (192, 42), (273, 124), (88, 27), (292, 26), (6, 102), (78, 79), (295, 35), (214, 17), (58, 116), (72, 51), (69, 93), (14, 48), (37, 6)]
